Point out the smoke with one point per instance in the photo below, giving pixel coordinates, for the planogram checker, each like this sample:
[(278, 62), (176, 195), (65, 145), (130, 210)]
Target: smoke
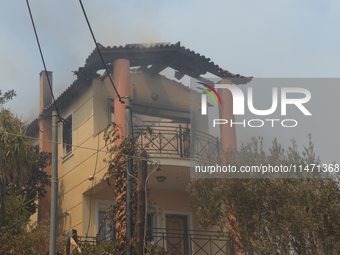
[(65, 40)]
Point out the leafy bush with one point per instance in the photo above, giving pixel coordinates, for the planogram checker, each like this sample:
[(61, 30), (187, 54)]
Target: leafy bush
[(34, 240), (105, 248), (272, 216)]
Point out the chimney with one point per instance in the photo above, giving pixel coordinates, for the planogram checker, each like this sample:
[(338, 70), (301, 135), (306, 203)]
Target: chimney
[(45, 91), (45, 135)]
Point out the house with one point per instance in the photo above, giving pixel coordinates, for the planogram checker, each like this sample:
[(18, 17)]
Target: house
[(158, 103)]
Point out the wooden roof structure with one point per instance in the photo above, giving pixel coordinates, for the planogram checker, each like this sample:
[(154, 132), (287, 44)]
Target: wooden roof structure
[(154, 58)]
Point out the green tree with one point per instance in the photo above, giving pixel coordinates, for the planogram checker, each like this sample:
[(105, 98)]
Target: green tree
[(7, 96), (23, 180), (272, 216), (3, 99)]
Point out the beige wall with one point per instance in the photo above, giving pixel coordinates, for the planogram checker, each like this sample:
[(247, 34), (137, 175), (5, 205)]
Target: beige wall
[(74, 170), (177, 202), (90, 117)]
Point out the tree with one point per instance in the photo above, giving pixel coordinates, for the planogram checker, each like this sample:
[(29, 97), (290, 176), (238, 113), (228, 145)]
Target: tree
[(272, 216), (3, 99), (23, 180), (7, 96)]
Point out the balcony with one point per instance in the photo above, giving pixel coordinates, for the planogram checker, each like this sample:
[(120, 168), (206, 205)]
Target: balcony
[(178, 241), (190, 242), (173, 140)]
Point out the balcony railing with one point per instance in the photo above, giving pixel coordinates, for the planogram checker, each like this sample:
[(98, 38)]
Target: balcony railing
[(191, 242), (177, 141), (181, 241)]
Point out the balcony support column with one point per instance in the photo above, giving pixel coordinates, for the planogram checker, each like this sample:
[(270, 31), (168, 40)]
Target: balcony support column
[(121, 79)]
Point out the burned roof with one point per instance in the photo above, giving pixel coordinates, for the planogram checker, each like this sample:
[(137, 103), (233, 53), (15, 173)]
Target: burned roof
[(156, 57), (152, 58)]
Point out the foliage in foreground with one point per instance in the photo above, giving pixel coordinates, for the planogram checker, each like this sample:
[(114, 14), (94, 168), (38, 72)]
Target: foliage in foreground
[(34, 240), (4, 98), (272, 216), (105, 248), (22, 173), (118, 147), (112, 248)]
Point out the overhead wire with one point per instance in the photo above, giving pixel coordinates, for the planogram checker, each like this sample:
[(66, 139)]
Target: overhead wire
[(100, 54), (107, 71), (97, 150), (55, 105), (80, 147), (42, 58)]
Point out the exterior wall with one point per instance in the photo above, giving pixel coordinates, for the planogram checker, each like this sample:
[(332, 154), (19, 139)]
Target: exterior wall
[(177, 202), (171, 95), (75, 169), (152, 95), (90, 117), (170, 201), (102, 92)]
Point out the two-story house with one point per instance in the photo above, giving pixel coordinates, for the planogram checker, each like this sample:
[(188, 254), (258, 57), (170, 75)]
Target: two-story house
[(158, 104)]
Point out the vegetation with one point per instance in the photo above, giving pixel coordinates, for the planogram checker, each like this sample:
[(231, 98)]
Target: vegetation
[(7, 96), (116, 177), (34, 240), (111, 248), (105, 248), (116, 173), (23, 182), (23, 178), (272, 216)]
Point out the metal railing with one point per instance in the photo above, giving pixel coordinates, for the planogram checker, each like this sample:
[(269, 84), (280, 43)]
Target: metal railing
[(177, 141), (190, 242), (177, 241), (92, 240)]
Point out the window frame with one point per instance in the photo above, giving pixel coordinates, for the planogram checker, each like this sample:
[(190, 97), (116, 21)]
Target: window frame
[(66, 154), (98, 205)]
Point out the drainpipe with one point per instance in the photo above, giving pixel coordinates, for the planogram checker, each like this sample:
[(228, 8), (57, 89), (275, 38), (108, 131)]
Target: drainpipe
[(54, 185), (128, 174)]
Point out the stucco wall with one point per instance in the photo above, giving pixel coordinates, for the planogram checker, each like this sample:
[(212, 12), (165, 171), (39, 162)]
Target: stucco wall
[(90, 117)]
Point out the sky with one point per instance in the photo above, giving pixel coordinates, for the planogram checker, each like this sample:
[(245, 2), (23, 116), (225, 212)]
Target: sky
[(264, 39)]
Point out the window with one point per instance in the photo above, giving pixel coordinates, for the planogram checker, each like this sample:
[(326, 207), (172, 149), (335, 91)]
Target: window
[(108, 231), (111, 110), (67, 135)]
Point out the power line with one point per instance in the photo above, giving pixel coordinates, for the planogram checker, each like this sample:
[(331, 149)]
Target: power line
[(42, 58), (100, 54), (78, 146)]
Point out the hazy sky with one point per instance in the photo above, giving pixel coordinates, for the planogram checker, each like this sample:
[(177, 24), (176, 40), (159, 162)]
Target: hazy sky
[(278, 39)]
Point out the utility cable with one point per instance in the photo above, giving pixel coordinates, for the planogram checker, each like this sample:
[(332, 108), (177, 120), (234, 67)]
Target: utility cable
[(42, 58), (100, 54), (78, 146)]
